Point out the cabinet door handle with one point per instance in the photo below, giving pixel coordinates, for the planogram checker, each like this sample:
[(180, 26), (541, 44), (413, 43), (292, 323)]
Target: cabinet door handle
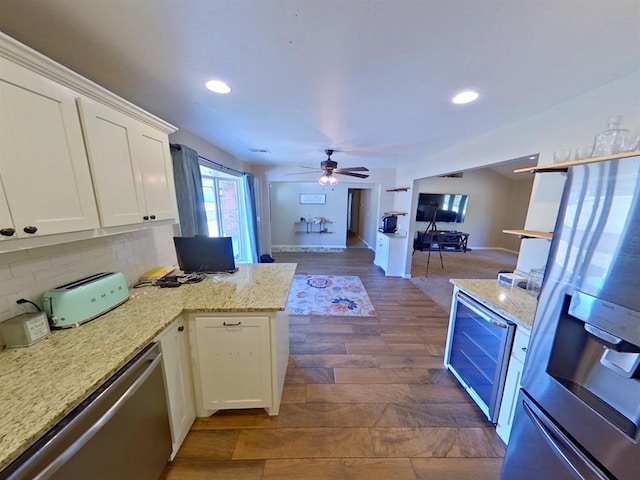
[(145, 218), (181, 328), (30, 229), (231, 324), (152, 217), (7, 232)]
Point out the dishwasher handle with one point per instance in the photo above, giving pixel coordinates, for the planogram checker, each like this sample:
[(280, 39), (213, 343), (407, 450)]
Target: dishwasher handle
[(152, 359)]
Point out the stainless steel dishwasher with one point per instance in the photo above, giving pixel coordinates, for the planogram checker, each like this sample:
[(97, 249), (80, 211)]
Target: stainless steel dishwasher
[(120, 432)]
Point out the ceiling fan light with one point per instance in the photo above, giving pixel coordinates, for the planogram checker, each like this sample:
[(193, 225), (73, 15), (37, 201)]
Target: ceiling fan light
[(327, 180)]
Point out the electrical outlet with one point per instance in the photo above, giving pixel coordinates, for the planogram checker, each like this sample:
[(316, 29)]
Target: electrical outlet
[(24, 307), (19, 308), (16, 309)]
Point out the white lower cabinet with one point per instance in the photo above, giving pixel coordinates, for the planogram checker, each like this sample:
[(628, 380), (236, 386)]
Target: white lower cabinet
[(239, 361), (388, 253), (512, 383), (176, 363)]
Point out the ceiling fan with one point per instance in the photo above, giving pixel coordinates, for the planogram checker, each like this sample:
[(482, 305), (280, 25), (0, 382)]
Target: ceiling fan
[(330, 167)]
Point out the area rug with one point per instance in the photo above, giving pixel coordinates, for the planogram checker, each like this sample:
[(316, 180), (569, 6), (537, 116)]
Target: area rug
[(335, 295)]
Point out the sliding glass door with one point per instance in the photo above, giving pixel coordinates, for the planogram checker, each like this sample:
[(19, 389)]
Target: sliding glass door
[(225, 209)]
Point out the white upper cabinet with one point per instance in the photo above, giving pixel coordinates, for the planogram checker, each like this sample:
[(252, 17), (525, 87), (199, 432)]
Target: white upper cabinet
[(7, 228), (43, 163), (59, 175), (117, 180), (154, 159), (130, 164)]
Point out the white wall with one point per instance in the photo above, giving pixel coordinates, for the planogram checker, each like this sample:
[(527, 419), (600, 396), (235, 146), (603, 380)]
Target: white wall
[(488, 210), (567, 125), (284, 198), (208, 151), (286, 209), (368, 221), (379, 201), (30, 273), (516, 215)]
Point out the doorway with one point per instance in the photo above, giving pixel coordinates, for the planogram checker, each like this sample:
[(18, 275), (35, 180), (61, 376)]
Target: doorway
[(356, 200)]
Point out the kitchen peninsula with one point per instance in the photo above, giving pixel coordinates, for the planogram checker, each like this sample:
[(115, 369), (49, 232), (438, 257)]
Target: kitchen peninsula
[(42, 383)]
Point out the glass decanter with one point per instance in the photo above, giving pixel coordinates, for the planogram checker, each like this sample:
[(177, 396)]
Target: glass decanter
[(607, 142)]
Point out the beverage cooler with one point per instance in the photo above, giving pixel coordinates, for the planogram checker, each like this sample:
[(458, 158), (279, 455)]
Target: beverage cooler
[(477, 353)]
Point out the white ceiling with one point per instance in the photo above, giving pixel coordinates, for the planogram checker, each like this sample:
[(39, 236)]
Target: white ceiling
[(369, 78)]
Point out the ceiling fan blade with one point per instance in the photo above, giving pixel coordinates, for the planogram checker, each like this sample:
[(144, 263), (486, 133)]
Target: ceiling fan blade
[(359, 175), (352, 169), (303, 173), (311, 168)]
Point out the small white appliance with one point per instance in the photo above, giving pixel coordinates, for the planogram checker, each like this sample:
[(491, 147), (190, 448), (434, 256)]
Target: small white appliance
[(25, 329)]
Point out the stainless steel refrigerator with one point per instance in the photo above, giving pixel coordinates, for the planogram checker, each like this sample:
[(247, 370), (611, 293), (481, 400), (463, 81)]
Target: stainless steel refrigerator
[(578, 413)]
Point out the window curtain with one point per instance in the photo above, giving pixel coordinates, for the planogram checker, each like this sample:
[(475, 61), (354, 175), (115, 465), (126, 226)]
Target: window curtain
[(186, 176), (253, 241)]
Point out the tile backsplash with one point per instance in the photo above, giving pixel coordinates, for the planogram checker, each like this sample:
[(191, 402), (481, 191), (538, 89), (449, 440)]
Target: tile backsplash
[(30, 273)]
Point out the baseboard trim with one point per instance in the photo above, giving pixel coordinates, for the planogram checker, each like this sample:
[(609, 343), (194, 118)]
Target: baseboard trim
[(308, 246)]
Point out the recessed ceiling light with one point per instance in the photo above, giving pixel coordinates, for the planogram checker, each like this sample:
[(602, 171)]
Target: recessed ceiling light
[(465, 97), (218, 87)]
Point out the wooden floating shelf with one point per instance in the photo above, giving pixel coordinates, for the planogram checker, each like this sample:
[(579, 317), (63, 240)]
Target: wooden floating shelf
[(311, 223), (530, 234), (393, 212), (399, 189), (564, 166)]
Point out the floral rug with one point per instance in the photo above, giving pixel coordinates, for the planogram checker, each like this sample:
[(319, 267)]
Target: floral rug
[(335, 295)]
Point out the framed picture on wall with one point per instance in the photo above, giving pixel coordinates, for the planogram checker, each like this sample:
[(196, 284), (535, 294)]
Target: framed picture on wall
[(316, 198)]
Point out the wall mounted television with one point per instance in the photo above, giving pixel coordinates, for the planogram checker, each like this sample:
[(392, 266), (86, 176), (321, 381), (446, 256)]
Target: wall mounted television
[(442, 207)]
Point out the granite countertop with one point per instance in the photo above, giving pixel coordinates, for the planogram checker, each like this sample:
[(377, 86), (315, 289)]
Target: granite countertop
[(395, 235), (513, 304), (40, 384)]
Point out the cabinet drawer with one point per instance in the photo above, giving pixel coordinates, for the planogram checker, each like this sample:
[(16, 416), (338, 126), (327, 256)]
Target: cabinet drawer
[(520, 343)]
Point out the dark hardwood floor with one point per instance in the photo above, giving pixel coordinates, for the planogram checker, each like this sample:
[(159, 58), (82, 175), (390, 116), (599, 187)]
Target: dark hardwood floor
[(365, 398)]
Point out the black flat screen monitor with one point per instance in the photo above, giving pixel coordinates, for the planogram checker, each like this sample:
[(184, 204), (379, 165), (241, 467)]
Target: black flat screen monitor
[(202, 254), (442, 207)]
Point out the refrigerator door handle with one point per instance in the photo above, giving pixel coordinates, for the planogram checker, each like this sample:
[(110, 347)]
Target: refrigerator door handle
[(564, 448)]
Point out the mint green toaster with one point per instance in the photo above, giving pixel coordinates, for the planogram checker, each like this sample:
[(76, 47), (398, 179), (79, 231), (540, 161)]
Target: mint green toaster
[(85, 299)]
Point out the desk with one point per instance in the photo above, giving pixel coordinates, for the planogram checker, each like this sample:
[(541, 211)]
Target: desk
[(447, 240)]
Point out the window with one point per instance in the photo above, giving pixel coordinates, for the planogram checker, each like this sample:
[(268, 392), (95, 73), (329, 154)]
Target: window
[(223, 194)]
